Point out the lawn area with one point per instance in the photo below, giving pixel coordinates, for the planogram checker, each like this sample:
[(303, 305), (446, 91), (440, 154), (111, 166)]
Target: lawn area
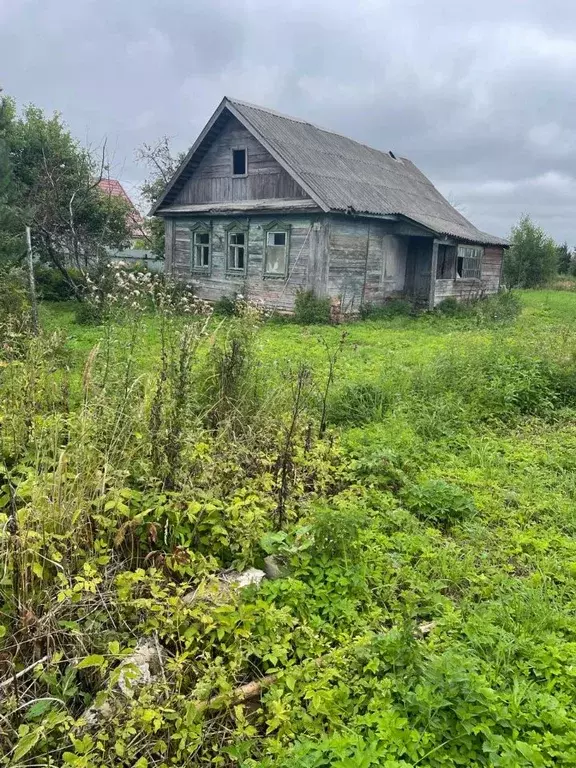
[(415, 515)]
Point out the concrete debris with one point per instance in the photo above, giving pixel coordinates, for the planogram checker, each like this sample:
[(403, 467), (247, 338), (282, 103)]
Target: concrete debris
[(272, 568), (241, 579)]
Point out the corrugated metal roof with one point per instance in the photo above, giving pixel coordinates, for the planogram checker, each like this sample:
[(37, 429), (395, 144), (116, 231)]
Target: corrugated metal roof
[(349, 176), (341, 174)]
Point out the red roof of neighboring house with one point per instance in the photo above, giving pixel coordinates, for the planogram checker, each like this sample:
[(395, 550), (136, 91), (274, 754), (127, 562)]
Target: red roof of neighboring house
[(135, 220)]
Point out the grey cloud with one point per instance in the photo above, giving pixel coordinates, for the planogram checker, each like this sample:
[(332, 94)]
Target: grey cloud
[(480, 96)]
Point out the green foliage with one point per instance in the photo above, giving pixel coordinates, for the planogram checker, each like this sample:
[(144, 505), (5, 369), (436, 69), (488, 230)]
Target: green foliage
[(422, 612), (359, 403), (532, 258), (225, 306), (391, 308), (502, 307), (89, 313), (52, 285), (563, 258), (49, 185), (438, 502), (310, 309)]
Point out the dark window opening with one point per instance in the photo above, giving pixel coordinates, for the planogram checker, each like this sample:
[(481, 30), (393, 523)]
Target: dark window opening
[(446, 258), (239, 162)]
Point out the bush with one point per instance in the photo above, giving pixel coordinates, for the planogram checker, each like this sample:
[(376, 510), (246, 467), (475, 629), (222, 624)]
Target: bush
[(88, 313), (359, 403), (439, 502), (226, 306), (503, 307), (51, 284), (310, 309), (391, 308)]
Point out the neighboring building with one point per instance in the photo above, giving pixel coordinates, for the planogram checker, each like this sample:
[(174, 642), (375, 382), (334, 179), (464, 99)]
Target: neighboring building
[(136, 224), (265, 204)]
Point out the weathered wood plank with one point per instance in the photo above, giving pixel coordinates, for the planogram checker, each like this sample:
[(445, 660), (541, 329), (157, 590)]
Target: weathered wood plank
[(213, 182)]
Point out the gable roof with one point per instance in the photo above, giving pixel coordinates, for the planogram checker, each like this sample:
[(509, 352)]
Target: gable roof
[(339, 174), (113, 188)]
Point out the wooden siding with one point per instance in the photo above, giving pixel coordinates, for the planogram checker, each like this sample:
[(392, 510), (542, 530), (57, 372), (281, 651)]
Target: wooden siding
[(367, 263), (212, 181), (278, 292), (469, 289)]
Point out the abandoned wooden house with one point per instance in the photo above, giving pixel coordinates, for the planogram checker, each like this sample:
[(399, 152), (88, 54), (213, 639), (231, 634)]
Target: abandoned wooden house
[(264, 205)]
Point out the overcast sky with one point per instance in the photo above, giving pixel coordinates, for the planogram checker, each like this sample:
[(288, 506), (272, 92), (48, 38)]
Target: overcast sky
[(481, 96)]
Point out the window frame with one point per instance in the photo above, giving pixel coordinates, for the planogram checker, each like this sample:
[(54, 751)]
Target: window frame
[(478, 258), (273, 227), (201, 228), (235, 228), (239, 149), (453, 256)]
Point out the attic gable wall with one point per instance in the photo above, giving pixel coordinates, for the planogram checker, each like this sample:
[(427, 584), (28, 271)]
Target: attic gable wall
[(212, 181)]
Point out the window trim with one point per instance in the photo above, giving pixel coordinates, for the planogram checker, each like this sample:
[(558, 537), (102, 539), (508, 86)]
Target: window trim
[(479, 249), (200, 228), (239, 149), (276, 226), (237, 227), (454, 259)]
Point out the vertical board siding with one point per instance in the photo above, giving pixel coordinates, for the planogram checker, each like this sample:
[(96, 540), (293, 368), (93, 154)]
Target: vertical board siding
[(367, 264), (277, 292), (212, 181)]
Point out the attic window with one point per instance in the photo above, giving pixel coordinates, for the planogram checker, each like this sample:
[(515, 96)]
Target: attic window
[(239, 162)]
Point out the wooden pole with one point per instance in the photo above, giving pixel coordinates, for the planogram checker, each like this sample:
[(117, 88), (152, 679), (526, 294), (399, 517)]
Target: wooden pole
[(31, 284), (433, 268)]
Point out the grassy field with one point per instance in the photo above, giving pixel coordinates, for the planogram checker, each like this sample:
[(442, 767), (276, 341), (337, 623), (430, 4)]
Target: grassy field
[(424, 536)]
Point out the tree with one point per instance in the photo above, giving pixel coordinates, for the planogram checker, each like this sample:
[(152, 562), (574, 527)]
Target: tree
[(52, 186), (162, 164), (564, 258), (532, 258)]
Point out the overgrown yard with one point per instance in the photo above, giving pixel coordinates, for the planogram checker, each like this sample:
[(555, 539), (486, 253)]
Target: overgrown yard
[(413, 480)]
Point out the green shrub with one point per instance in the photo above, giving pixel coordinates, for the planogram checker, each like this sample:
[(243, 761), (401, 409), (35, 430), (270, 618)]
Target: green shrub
[(503, 307), (88, 313), (359, 403), (225, 306), (310, 309), (451, 307), (336, 530), (396, 307), (439, 502), (51, 285)]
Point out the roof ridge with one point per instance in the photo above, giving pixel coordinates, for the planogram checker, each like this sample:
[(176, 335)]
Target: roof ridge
[(312, 125)]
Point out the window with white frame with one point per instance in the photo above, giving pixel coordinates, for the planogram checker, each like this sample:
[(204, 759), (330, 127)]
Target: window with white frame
[(276, 251), (237, 250), (469, 262), (201, 249)]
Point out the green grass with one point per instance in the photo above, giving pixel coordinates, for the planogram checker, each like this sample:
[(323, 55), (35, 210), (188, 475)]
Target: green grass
[(427, 612)]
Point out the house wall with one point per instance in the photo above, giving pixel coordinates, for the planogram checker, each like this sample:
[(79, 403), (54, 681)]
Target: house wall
[(469, 289), (278, 292), (366, 261), (213, 182)]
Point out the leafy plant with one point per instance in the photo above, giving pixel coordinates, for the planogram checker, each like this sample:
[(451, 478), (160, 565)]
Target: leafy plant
[(438, 502), (310, 309)]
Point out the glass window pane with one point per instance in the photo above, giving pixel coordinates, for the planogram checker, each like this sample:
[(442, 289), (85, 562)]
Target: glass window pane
[(276, 260)]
